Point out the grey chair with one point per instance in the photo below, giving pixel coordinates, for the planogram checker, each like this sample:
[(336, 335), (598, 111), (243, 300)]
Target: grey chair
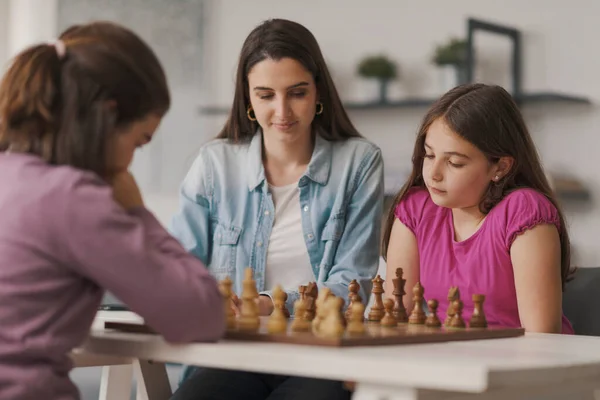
[(581, 302)]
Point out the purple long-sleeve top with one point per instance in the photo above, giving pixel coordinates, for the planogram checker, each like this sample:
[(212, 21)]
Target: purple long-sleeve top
[(63, 242)]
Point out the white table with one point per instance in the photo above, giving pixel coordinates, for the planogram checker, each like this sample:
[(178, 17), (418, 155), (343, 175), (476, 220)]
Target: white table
[(534, 365)]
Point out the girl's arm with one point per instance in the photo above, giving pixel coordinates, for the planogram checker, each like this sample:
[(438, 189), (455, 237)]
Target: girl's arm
[(402, 253), (131, 255), (536, 257)]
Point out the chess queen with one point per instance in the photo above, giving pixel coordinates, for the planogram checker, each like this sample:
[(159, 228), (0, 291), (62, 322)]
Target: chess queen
[(288, 188), (478, 213)]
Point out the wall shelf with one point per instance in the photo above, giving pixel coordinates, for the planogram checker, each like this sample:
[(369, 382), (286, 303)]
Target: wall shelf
[(416, 102)]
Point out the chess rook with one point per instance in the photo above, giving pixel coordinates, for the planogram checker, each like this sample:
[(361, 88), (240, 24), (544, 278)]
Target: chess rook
[(478, 319)]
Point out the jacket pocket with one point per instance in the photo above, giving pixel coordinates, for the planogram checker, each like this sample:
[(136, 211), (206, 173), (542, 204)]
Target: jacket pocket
[(332, 233), (225, 242)]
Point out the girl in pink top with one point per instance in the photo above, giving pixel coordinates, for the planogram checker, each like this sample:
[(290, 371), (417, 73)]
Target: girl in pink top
[(478, 213)]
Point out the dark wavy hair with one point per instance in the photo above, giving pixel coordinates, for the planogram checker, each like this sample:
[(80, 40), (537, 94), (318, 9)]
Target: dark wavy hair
[(487, 117), (277, 39)]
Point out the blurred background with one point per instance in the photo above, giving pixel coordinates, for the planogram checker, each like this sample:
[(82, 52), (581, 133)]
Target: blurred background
[(390, 59)]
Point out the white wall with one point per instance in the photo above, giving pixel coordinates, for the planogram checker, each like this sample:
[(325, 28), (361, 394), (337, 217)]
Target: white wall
[(3, 33), (558, 50)]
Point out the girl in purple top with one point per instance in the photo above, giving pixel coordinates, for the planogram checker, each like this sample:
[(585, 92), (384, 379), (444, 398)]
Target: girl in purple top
[(478, 213), (73, 222)]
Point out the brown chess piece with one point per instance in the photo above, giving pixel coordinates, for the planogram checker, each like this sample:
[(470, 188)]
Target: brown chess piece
[(377, 310), (353, 296), (356, 324), (457, 320), (398, 293), (249, 319), (227, 293), (478, 319), (277, 322), (282, 306), (321, 312), (332, 325), (302, 291), (453, 294), (432, 319), (417, 316), (388, 319), (310, 295), (299, 323)]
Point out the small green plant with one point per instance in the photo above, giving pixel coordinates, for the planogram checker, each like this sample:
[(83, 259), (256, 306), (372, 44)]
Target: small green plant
[(454, 52), (379, 67)]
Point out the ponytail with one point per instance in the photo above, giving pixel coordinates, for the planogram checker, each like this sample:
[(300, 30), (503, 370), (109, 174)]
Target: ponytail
[(30, 102), (66, 101)]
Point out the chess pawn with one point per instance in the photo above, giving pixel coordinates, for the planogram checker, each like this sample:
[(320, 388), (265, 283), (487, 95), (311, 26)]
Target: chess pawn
[(332, 325), (457, 320), (299, 323), (353, 289), (226, 292), (277, 320), (377, 309), (249, 320), (356, 324), (453, 294), (432, 319), (320, 314), (417, 317), (398, 293), (353, 300), (388, 319), (478, 319), (310, 295)]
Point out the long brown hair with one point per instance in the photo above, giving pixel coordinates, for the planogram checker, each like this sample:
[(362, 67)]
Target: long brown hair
[(55, 105), (487, 117), (277, 39)]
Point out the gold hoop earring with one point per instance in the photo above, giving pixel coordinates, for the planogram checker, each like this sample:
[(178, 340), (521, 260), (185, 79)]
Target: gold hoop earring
[(250, 114), (320, 109)]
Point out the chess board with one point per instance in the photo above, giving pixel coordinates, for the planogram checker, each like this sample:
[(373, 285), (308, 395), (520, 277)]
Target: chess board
[(374, 335)]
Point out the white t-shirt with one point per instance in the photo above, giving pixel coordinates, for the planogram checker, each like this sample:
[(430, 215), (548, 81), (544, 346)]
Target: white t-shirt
[(288, 263)]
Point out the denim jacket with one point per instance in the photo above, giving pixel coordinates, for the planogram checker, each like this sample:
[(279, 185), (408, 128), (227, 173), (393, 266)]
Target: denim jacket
[(226, 212)]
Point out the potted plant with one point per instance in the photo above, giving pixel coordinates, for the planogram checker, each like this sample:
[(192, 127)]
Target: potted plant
[(451, 59), (382, 69)]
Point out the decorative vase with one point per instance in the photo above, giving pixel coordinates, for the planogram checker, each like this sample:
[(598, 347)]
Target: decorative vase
[(450, 76), (383, 90)]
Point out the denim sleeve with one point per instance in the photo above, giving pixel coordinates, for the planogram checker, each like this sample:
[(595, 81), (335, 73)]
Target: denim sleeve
[(357, 254), (191, 224)]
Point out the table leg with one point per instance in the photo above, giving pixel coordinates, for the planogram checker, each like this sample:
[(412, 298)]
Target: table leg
[(152, 380), (116, 382)]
